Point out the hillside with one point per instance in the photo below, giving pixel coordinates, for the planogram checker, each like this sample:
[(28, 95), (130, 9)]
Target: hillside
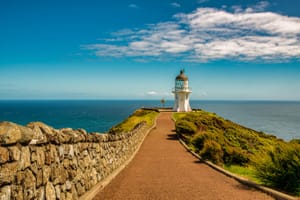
[(260, 156)]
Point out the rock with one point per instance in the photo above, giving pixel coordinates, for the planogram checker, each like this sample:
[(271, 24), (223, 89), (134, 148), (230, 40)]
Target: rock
[(74, 193), (51, 155), (61, 152), (68, 185), (4, 155), (29, 185), (39, 178), (38, 136), (58, 175), (57, 191), (62, 196), (66, 135), (8, 172), (33, 167), (66, 164), (11, 133), (27, 135), (14, 153), (71, 152), (50, 192), (49, 134), (69, 196), (40, 156), (80, 189), (46, 174), (17, 192), (5, 193), (80, 135), (25, 158), (40, 193)]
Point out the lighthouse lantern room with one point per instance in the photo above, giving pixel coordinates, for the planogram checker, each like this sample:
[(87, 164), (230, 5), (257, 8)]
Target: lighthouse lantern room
[(182, 92)]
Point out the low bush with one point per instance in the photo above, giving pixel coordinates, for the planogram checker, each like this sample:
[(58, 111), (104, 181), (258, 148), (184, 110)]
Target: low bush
[(280, 168), (235, 156), (213, 151), (185, 127)]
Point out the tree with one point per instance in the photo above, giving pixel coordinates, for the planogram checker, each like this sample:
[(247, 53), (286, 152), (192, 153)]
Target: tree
[(163, 101)]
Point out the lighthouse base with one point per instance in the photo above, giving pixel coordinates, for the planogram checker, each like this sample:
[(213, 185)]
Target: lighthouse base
[(182, 106)]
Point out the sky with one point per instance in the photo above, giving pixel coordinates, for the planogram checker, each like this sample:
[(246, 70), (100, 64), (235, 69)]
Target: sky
[(129, 49)]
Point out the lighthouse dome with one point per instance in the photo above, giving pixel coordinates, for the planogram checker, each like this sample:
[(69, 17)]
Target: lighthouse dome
[(182, 76)]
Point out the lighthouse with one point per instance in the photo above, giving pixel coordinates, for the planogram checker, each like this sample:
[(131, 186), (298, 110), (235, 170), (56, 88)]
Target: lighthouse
[(181, 93)]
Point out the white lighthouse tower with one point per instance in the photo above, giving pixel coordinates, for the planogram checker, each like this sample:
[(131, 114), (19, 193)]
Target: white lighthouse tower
[(182, 92)]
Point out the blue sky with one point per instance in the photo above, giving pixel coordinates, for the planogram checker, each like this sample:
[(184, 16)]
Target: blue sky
[(235, 50)]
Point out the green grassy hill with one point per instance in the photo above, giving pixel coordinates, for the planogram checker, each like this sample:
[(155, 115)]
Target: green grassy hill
[(257, 155), (140, 115)]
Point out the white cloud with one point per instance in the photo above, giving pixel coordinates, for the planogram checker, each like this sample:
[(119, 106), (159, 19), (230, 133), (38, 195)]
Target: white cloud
[(155, 93), (175, 5), (152, 93), (133, 6), (210, 34), (259, 7)]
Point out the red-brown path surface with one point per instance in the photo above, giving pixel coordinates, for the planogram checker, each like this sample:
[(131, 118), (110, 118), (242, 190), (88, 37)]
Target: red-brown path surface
[(163, 169)]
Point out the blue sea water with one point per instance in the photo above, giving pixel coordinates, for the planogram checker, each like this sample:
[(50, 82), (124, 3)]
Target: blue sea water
[(278, 118)]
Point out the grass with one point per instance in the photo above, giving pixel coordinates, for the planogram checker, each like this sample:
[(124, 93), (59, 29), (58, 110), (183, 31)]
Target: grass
[(246, 172), (139, 116)]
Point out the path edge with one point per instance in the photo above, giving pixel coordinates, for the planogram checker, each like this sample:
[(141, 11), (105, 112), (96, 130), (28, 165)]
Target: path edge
[(102, 184)]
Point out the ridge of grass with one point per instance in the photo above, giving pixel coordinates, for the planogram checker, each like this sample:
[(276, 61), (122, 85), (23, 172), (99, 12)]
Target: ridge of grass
[(141, 115)]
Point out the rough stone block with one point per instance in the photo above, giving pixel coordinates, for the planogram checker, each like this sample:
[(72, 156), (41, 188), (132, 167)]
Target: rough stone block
[(51, 154), (4, 155), (40, 193), (58, 192), (29, 184), (38, 136), (17, 192), (46, 174), (50, 191), (8, 172), (39, 178), (14, 153), (11, 133), (25, 158), (58, 175), (74, 192), (5, 193)]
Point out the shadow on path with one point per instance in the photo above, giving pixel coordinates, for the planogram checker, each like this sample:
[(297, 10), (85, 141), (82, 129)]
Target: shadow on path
[(172, 137)]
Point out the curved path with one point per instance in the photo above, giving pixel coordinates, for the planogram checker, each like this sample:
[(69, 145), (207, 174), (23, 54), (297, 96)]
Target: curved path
[(163, 169)]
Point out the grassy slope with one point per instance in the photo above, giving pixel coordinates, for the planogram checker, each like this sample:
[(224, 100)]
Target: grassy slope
[(241, 150), (140, 115)]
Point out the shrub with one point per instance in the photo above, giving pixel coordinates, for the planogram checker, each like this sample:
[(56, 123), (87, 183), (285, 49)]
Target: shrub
[(212, 151), (198, 141), (297, 141), (235, 156), (185, 127), (280, 168)]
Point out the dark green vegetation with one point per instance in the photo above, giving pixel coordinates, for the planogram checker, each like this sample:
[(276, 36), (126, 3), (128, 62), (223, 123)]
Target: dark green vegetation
[(259, 156), (139, 116)]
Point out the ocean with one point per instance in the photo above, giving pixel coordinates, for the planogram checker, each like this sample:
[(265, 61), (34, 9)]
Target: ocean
[(280, 118)]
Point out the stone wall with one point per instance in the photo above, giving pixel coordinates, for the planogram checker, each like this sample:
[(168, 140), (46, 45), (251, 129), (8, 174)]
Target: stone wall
[(40, 162)]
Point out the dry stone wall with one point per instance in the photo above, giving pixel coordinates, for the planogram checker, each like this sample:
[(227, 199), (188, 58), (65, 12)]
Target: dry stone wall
[(40, 162)]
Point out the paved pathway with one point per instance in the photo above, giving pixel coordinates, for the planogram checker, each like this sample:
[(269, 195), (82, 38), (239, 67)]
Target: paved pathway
[(163, 170)]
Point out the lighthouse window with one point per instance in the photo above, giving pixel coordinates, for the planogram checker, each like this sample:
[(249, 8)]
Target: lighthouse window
[(179, 84)]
